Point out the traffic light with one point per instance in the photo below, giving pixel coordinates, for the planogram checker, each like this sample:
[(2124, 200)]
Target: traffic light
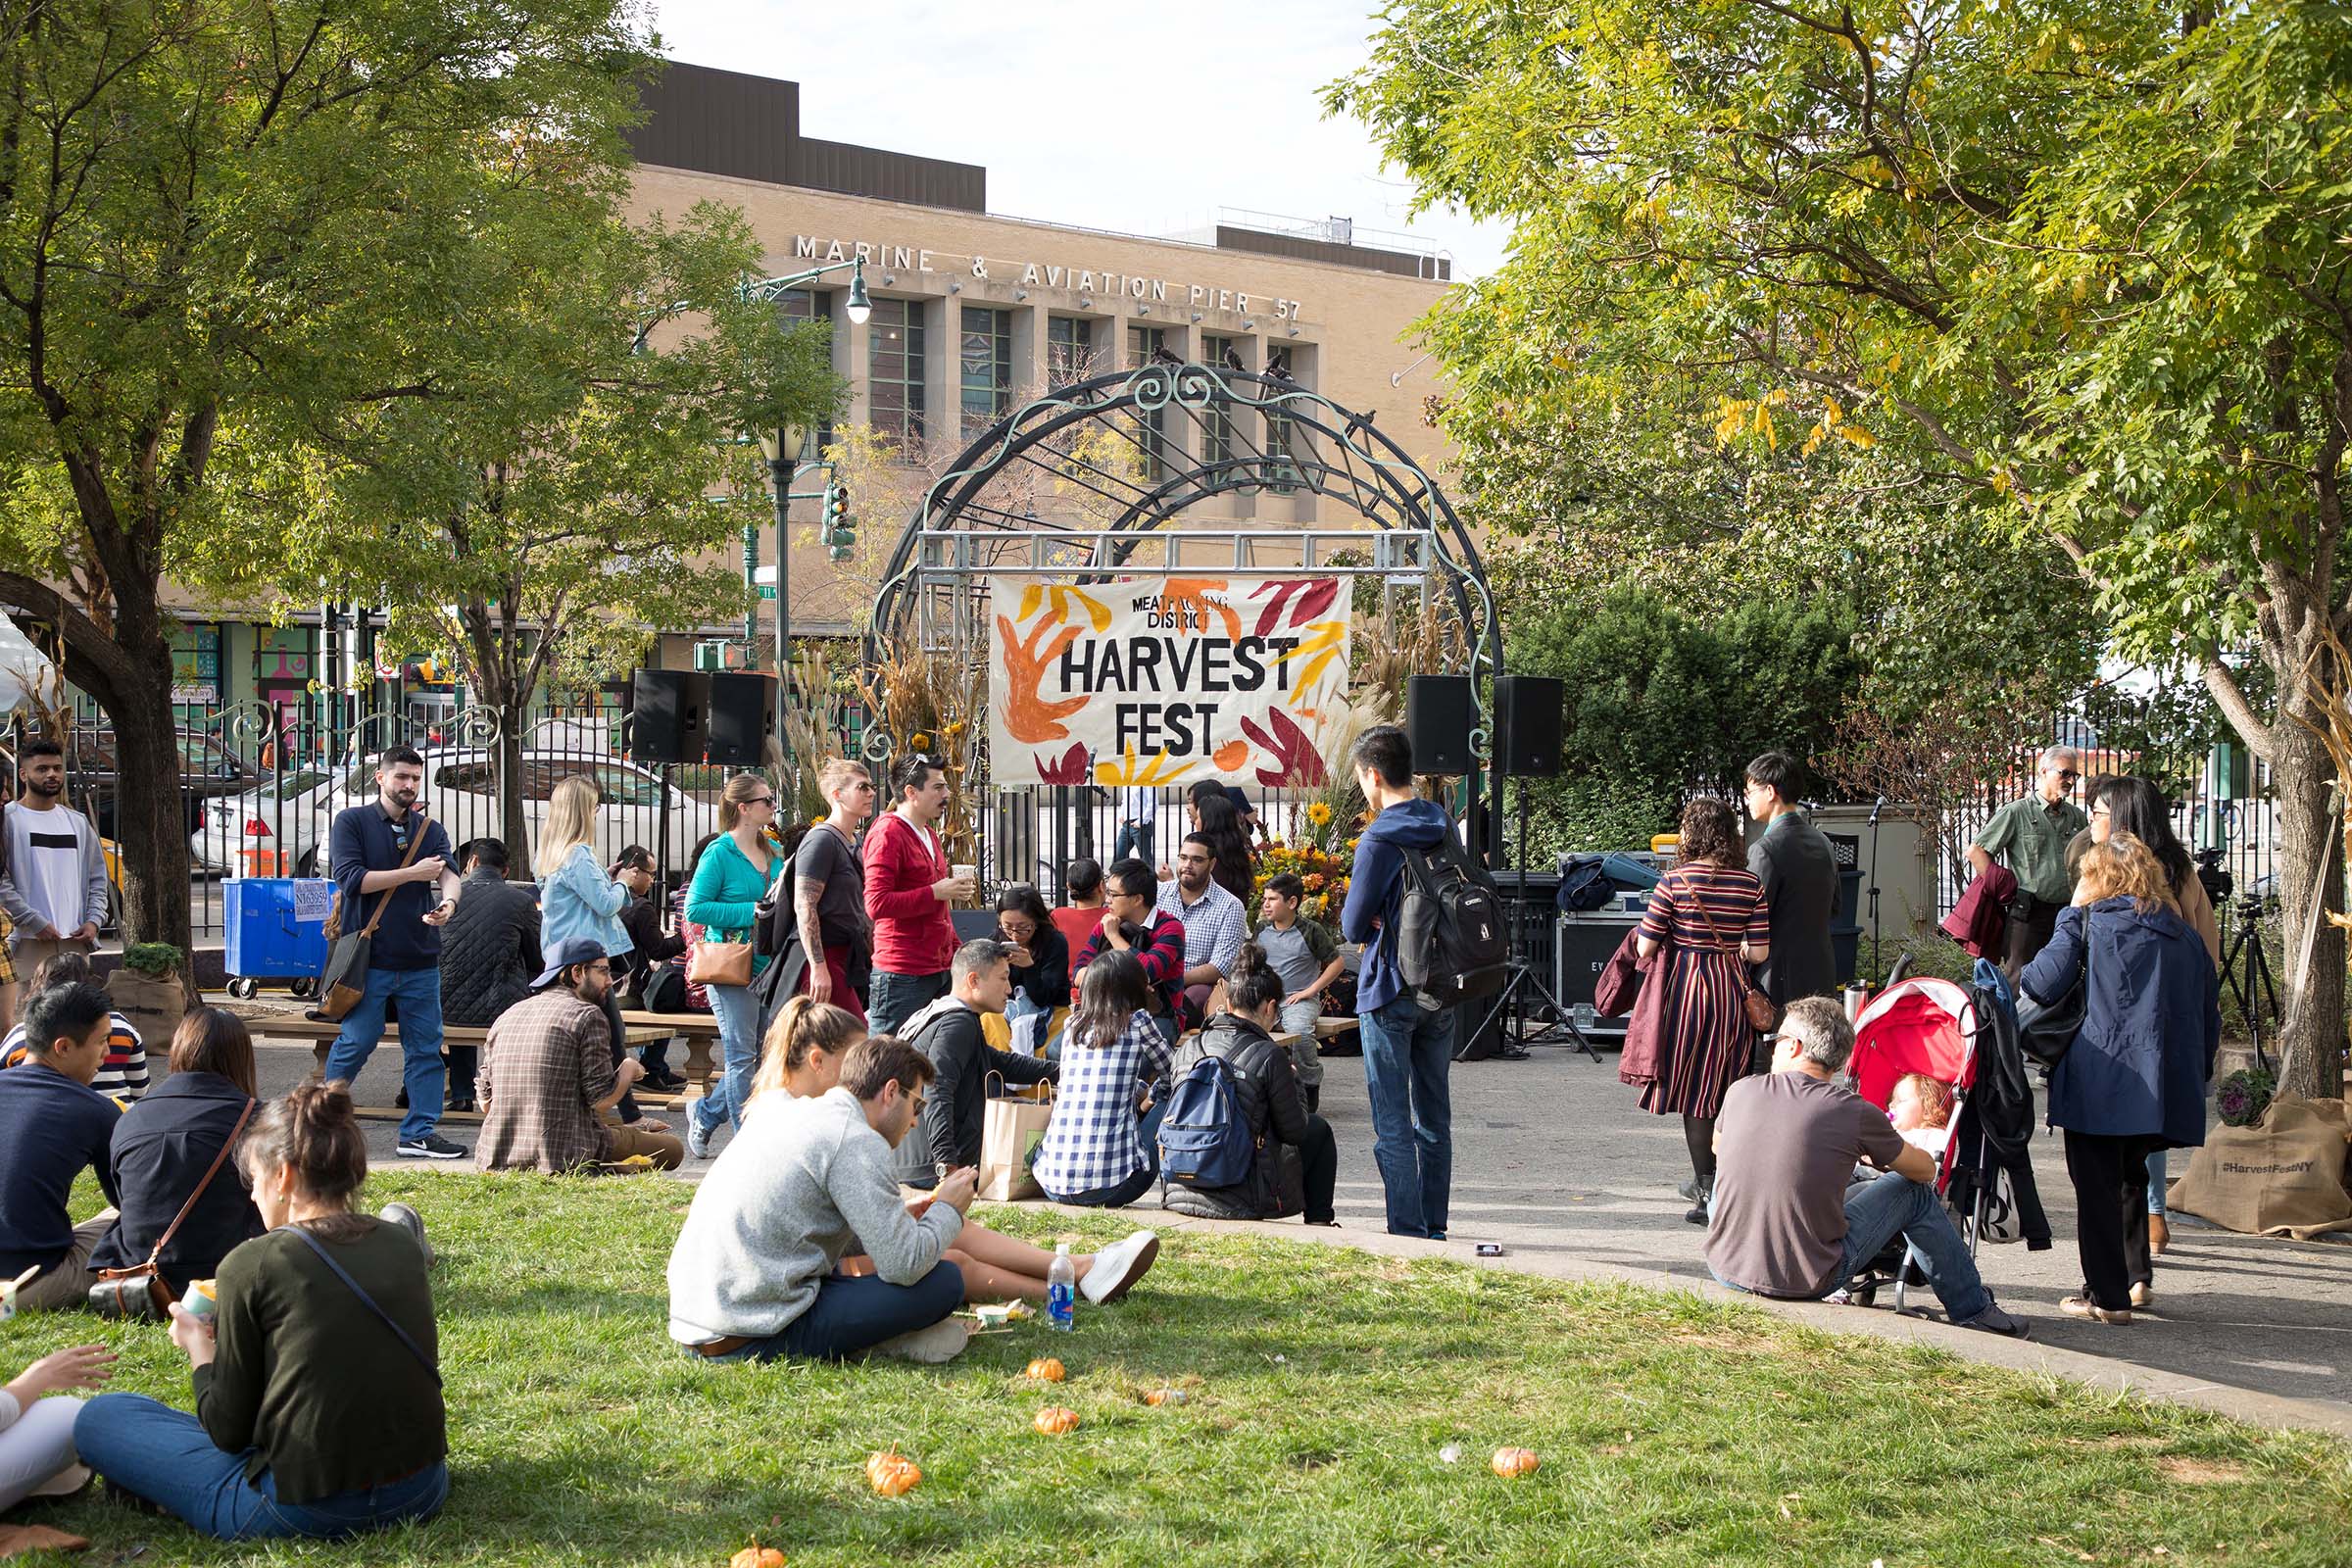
[(840, 529)]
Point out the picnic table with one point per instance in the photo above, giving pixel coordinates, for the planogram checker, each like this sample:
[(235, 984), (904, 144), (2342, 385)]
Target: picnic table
[(322, 1034)]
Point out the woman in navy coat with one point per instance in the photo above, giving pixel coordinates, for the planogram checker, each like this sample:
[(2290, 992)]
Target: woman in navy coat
[(2133, 1081)]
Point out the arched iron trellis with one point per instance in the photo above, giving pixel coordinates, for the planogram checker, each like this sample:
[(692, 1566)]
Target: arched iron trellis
[(1104, 441)]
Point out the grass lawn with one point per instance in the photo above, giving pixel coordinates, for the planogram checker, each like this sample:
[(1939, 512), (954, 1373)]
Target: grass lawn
[(1323, 1386)]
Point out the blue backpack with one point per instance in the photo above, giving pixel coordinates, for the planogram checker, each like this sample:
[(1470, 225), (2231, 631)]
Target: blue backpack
[(1203, 1141)]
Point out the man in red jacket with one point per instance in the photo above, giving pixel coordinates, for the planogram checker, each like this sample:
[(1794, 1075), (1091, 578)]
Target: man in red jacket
[(909, 888)]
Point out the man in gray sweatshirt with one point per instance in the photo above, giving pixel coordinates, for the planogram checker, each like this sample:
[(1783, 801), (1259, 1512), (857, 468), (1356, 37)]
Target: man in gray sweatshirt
[(52, 866), (755, 1271)]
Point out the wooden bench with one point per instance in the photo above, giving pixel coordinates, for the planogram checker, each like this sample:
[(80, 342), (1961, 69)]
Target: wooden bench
[(322, 1034), (699, 1032)]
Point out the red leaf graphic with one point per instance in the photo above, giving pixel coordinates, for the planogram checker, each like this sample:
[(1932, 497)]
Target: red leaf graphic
[(1071, 769), (1300, 763), (1272, 616)]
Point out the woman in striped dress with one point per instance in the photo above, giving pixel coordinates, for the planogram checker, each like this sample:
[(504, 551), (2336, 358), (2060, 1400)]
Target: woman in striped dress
[(1713, 909)]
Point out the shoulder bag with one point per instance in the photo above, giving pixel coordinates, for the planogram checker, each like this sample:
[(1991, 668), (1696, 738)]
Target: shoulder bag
[(1762, 1016), (343, 980), (722, 963), (2046, 1030), (370, 1303), (139, 1290)]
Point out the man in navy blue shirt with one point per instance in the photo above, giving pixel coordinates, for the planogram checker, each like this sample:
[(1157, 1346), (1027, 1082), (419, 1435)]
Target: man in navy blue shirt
[(366, 850), (1408, 1042), (52, 1124)]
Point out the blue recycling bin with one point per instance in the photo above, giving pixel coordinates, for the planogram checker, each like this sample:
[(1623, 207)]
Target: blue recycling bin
[(277, 929)]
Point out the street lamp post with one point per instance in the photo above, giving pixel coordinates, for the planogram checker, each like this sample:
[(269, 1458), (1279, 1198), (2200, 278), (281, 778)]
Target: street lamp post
[(782, 448)]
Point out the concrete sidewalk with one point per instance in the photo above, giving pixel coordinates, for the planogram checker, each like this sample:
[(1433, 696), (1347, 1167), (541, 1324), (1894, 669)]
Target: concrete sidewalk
[(1553, 1161)]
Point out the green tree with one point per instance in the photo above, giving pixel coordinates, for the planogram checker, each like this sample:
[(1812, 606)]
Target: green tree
[(580, 472), (2075, 265), (228, 240)]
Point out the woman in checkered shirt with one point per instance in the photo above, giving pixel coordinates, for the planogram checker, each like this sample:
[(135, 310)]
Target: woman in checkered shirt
[(1100, 1149)]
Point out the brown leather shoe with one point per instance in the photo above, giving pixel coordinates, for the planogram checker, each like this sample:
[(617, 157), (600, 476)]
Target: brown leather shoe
[(2160, 1236), (2140, 1293)]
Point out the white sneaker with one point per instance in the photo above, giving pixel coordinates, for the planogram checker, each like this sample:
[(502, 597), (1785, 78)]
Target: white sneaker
[(942, 1341), (1118, 1266)]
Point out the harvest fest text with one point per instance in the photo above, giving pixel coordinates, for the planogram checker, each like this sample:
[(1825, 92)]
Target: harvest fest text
[(1204, 676)]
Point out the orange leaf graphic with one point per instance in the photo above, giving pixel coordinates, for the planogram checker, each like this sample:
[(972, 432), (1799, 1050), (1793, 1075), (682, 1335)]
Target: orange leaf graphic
[(1029, 717), (1193, 593)]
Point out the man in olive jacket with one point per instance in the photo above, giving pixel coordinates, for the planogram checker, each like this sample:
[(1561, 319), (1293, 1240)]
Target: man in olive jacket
[(1799, 872)]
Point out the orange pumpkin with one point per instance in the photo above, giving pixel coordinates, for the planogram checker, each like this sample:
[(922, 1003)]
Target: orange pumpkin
[(1046, 1369), (1166, 1397), (1511, 1463), (893, 1474), (1055, 1420), (756, 1556)]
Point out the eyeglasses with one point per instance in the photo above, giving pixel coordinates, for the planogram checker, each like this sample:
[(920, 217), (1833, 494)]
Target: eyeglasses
[(2069, 774), (761, 799)]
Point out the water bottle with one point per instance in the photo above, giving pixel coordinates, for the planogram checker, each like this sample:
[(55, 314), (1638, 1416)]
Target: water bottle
[(1061, 1291)]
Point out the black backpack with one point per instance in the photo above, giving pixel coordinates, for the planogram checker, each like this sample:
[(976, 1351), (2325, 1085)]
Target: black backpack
[(1451, 943)]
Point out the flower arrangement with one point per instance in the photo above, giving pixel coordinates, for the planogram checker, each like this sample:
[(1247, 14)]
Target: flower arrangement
[(1323, 870), (2244, 1096)]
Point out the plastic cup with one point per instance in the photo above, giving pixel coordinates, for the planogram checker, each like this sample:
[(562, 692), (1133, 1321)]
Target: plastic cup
[(199, 1301)]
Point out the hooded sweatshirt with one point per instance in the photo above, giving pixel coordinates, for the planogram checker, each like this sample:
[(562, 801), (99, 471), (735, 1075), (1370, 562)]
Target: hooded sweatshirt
[(1376, 889)]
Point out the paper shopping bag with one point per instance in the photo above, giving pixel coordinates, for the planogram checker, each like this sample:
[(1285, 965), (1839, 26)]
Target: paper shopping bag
[(1010, 1134)]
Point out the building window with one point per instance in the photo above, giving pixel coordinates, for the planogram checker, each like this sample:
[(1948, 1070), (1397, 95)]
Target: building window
[(796, 307), (986, 367), (1282, 433), (1217, 442), (894, 373), (1069, 349), (196, 673), (1142, 343)]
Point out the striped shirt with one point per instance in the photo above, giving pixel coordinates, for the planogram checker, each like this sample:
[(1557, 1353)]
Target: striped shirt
[(1093, 1142), (123, 1074), (1689, 896)]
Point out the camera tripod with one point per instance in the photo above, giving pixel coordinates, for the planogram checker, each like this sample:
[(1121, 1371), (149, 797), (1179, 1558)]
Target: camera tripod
[(2255, 988)]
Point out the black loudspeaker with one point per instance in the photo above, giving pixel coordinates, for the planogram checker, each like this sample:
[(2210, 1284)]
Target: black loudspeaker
[(741, 718), (1528, 710), (668, 705), (1438, 711)]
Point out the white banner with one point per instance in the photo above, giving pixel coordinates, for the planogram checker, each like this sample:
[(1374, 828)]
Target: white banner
[(1166, 682)]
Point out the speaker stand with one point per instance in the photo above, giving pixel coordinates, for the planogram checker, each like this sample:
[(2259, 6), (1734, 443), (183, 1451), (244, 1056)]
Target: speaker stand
[(1514, 998)]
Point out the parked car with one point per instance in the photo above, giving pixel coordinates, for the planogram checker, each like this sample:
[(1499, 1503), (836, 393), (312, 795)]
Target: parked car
[(207, 768), (283, 829)]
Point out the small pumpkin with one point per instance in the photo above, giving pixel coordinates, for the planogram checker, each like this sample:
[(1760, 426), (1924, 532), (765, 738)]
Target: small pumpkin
[(1511, 1463), (1055, 1420), (1166, 1396), (891, 1474), (1046, 1369), (756, 1556)]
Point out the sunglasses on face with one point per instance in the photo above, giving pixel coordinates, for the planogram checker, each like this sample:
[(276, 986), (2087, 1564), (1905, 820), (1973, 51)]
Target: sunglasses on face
[(2069, 774)]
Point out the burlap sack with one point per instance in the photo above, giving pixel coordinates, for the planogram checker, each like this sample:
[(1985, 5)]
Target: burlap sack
[(2283, 1178)]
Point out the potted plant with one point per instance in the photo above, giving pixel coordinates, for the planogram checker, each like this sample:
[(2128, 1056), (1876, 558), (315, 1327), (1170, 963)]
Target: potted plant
[(148, 991)]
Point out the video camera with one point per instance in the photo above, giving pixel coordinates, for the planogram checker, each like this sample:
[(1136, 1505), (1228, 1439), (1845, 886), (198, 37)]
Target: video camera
[(2219, 883)]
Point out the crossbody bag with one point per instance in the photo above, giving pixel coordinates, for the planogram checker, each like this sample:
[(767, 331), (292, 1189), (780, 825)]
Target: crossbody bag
[(370, 1303), (1762, 1016), (139, 1290)]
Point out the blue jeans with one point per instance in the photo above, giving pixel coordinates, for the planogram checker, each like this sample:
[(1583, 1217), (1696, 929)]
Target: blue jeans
[(2156, 1164), (1134, 836), (1116, 1195), (1407, 1052), (166, 1456), (893, 999), (419, 993), (1879, 1211), (738, 1013), (850, 1315)]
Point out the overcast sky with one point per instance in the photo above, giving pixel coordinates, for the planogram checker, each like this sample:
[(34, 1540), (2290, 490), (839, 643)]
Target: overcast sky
[(1141, 119)]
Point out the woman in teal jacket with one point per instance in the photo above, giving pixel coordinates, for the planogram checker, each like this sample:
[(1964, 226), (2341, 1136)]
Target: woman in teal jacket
[(729, 881)]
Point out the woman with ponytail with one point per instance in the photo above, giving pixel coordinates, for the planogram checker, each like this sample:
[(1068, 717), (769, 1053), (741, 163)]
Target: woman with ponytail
[(1298, 1160), (318, 1408)]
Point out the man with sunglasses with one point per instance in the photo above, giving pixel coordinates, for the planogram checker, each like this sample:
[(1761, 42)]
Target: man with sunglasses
[(2030, 837)]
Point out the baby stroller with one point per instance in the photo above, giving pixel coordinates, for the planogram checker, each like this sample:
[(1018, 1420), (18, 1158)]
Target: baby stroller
[(1930, 1027)]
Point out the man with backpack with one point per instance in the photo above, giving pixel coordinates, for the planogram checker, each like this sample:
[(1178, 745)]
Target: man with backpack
[(1237, 1142), (1419, 963)]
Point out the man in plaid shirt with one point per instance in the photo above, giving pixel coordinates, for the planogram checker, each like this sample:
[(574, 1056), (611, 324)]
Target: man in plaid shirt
[(1132, 924), (547, 1077), (1214, 923)]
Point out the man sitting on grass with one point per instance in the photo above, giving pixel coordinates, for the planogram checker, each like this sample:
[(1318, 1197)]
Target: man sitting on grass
[(756, 1273), (1786, 1146), (52, 1125)]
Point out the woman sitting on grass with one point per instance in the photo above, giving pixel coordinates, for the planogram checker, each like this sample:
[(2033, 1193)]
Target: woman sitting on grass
[(804, 1048), (319, 1408), (37, 1411), (1099, 1149)]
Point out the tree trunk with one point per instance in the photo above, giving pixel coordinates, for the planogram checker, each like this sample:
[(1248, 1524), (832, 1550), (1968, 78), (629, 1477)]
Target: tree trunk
[(2311, 1043), (150, 820)]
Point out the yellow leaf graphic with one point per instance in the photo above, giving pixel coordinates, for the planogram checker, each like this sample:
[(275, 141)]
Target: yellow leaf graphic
[(1127, 771), (1320, 647), (1031, 597)]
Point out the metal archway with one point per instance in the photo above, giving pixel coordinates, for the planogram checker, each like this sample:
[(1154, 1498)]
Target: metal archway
[(1121, 497)]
